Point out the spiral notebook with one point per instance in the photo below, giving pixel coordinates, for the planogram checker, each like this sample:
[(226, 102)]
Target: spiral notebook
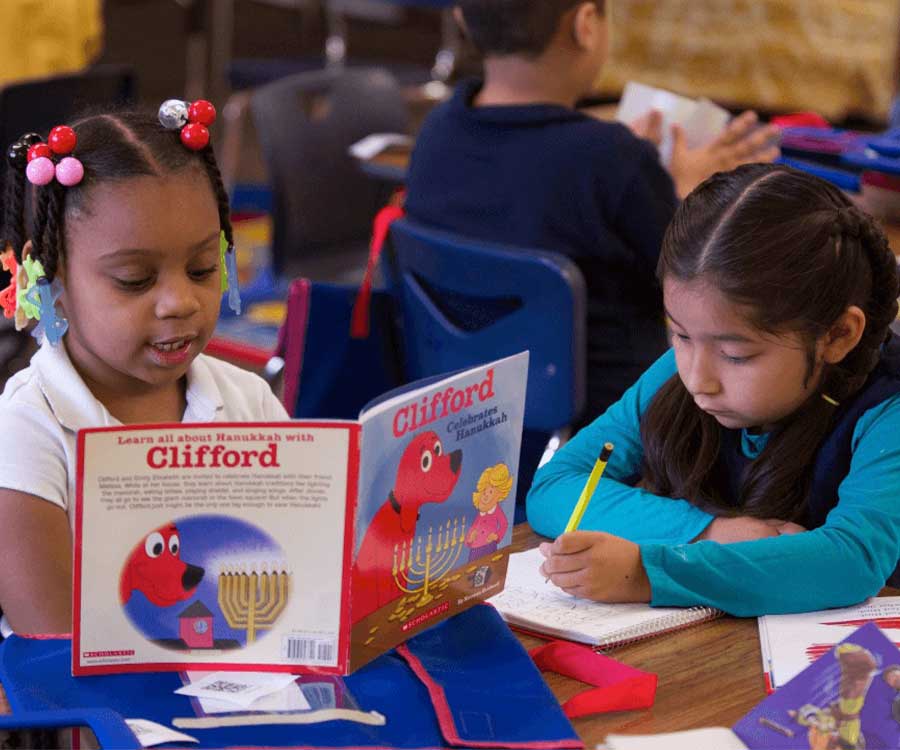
[(529, 603)]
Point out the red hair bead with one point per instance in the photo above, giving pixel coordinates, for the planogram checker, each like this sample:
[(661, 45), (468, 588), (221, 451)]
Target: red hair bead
[(202, 111), (38, 150), (195, 136), (62, 139)]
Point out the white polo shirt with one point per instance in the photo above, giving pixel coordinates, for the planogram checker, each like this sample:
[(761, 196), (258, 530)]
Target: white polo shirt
[(43, 407)]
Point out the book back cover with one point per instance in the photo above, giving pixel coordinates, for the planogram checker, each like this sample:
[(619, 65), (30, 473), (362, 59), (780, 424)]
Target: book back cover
[(214, 546)]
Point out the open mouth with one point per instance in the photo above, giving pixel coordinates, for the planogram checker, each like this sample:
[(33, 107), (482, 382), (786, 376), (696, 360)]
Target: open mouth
[(174, 345)]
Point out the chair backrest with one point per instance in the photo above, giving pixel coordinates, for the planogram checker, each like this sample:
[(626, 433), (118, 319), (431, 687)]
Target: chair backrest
[(305, 124), (464, 302)]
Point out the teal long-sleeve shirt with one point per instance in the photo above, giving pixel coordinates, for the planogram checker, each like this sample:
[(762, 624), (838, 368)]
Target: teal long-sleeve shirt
[(838, 564)]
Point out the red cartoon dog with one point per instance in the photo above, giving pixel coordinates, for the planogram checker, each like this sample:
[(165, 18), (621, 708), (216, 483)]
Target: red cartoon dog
[(155, 568), (425, 475)]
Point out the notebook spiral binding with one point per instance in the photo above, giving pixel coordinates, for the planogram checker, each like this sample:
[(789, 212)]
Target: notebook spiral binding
[(668, 623)]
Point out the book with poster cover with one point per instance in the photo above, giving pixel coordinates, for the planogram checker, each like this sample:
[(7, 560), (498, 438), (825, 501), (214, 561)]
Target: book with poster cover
[(790, 643), (847, 699), (300, 546)]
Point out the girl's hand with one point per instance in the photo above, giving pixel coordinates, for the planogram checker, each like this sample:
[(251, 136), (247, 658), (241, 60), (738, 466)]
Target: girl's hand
[(745, 528), (740, 143), (596, 565)]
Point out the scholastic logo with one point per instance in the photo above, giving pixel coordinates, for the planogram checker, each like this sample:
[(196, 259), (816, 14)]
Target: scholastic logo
[(425, 616), (101, 654)]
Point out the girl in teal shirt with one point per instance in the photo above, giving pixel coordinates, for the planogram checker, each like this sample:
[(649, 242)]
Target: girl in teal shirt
[(757, 464)]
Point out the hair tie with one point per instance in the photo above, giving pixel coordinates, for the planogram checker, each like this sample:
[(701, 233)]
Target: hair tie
[(44, 161), (17, 153), (847, 222), (191, 118)]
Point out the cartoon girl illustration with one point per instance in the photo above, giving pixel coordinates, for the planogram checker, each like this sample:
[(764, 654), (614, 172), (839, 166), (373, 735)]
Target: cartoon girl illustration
[(490, 524)]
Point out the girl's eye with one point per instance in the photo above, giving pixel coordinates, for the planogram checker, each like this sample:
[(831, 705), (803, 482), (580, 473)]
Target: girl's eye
[(204, 273), (682, 337), (134, 285), (736, 360)]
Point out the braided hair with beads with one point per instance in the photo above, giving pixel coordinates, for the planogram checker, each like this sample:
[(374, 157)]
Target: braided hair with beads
[(111, 147), (794, 251)]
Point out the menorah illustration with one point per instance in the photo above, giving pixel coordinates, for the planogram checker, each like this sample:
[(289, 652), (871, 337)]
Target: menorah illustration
[(427, 559), (252, 601)]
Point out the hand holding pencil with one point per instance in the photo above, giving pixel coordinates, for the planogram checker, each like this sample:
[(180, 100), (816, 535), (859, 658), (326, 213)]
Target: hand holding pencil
[(588, 492), (594, 564)]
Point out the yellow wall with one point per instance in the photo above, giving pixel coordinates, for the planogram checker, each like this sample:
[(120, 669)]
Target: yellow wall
[(43, 37), (831, 56)]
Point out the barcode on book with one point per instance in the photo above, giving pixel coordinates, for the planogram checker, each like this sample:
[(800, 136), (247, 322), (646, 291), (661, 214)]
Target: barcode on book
[(309, 649)]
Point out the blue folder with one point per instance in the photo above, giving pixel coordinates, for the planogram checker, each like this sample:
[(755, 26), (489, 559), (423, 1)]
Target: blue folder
[(467, 682)]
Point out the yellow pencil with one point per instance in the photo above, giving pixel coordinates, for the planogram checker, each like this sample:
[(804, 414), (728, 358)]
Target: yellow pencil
[(588, 492)]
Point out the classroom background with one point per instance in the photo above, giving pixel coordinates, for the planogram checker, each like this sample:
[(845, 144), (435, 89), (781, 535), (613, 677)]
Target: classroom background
[(835, 58), (298, 82)]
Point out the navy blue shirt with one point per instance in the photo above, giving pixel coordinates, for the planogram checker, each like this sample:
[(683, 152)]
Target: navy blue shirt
[(550, 178)]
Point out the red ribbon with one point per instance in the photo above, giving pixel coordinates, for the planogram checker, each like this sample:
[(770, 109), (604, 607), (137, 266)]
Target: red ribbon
[(618, 687), (359, 322)]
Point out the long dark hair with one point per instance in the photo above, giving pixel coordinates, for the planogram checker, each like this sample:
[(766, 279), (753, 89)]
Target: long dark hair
[(795, 251), (113, 146)]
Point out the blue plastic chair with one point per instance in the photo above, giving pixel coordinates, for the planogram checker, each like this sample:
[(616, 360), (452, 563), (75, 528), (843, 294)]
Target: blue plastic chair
[(463, 302), (108, 726)]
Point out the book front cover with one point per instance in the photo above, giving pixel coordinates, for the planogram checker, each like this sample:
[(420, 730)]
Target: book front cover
[(848, 699), (438, 472), (214, 546)]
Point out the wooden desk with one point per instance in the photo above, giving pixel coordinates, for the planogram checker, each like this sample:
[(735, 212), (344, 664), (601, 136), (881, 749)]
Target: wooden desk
[(709, 675)]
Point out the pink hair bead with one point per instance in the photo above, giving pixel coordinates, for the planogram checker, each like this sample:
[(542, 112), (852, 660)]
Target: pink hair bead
[(40, 171), (69, 171)]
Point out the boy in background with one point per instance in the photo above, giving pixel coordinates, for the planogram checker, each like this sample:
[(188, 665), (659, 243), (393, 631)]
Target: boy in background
[(509, 159)]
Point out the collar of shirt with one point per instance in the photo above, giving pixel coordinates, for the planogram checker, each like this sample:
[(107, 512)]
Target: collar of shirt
[(508, 114), (75, 407)]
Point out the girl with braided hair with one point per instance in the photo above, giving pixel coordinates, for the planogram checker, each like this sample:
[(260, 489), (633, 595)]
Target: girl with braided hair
[(757, 463), (129, 233)]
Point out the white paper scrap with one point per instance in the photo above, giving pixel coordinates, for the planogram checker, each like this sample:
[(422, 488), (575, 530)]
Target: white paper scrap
[(237, 688), (150, 733)]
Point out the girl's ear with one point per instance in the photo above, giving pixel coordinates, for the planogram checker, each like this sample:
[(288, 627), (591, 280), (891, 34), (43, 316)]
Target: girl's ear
[(844, 335)]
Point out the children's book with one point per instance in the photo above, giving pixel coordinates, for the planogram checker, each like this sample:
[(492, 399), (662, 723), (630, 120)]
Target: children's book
[(790, 643), (529, 602), (302, 546), (701, 119), (848, 699)]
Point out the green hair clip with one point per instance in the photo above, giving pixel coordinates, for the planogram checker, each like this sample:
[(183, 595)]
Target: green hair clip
[(34, 271), (229, 274)]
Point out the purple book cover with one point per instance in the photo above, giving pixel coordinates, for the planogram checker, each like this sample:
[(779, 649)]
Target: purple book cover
[(848, 699)]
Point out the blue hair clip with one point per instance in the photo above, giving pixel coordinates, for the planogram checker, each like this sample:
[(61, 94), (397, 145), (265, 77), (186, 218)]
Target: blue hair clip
[(43, 296), (234, 291)]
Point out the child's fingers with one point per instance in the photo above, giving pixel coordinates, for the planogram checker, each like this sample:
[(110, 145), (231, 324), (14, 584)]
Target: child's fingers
[(559, 564), (574, 542), (738, 128), (769, 155), (752, 145), (568, 580)]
